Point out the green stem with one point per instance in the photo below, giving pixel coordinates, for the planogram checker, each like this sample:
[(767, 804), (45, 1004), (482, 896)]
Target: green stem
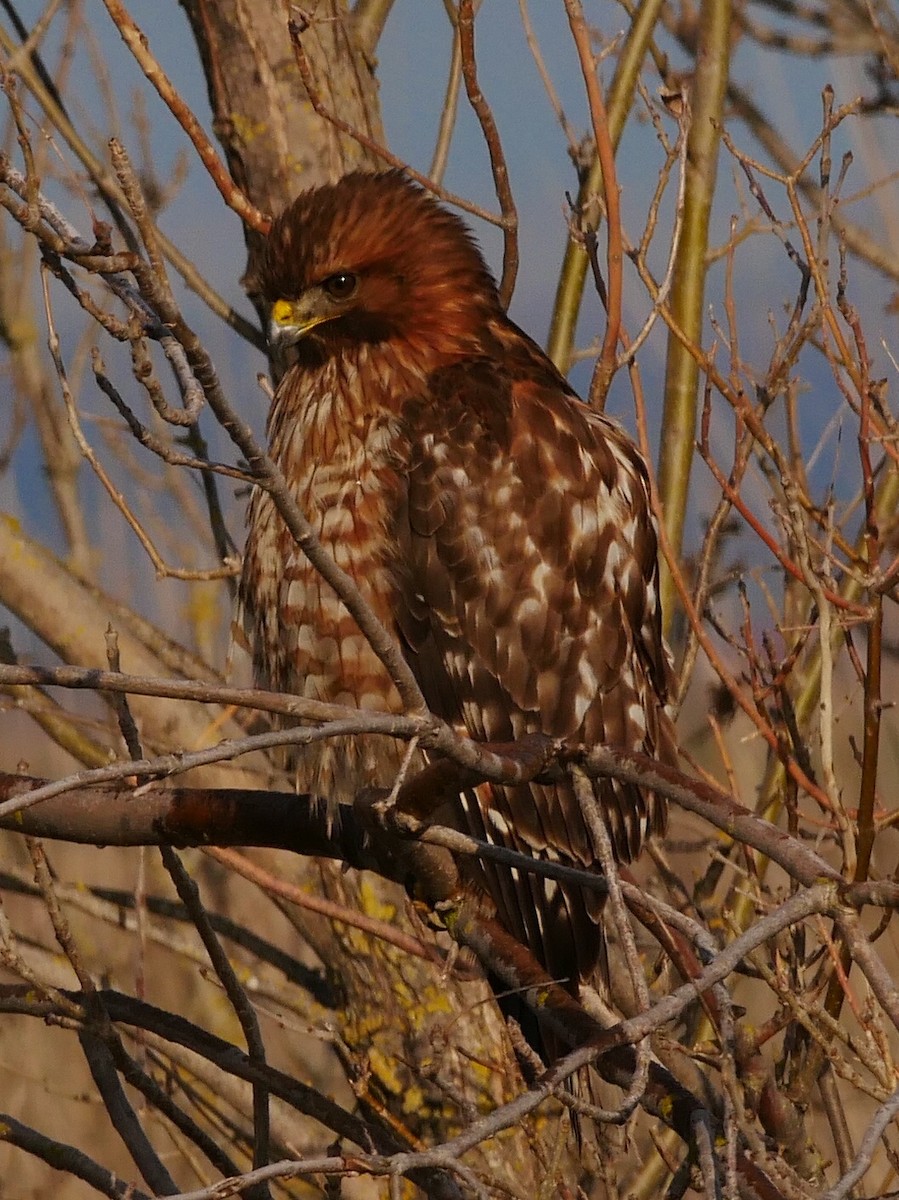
[(688, 284)]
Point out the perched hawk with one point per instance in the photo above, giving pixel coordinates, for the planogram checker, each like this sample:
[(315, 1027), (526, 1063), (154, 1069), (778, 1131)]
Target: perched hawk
[(499, 527)]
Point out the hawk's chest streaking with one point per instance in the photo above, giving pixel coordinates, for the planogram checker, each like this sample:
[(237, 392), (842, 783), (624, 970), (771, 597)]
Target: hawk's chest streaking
[(343, 460)]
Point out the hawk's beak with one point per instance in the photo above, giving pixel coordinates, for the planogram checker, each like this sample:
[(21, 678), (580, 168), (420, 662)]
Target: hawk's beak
[(291, 320)]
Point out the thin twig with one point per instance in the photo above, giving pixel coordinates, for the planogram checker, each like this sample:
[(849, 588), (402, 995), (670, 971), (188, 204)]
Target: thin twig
[(498, 165), (605, 367), (189, 894), (370, 144), (137, 43)]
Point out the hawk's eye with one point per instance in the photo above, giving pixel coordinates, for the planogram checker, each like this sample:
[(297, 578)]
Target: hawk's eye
[(342, 285)]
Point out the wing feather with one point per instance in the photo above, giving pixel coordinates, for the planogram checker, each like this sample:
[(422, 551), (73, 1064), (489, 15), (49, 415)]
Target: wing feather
[(529, 603)]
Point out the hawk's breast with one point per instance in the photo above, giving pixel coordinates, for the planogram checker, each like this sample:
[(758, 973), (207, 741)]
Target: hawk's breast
[(342, 459)]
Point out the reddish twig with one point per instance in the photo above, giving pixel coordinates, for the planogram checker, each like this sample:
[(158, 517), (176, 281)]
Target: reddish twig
[(494, 147), (274, 886), (296, 31), (136, 41), (861, 611), (605, 367)]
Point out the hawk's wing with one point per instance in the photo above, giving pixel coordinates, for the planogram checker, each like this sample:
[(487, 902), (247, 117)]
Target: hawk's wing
[(528, 602)]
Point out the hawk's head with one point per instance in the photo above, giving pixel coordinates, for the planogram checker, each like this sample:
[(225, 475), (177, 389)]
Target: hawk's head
[(373, 258)]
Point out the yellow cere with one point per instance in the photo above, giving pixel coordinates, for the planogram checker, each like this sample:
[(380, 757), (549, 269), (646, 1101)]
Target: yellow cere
[(282, 312)]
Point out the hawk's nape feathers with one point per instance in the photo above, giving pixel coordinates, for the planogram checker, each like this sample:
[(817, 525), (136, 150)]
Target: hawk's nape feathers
[(496, 524)]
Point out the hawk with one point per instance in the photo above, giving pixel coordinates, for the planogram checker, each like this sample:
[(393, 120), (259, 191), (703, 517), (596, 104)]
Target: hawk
[(496, 524)]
